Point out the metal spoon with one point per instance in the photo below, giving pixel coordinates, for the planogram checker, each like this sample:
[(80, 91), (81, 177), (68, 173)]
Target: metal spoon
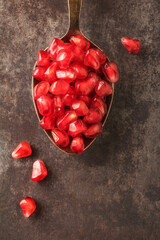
[(74, 29)]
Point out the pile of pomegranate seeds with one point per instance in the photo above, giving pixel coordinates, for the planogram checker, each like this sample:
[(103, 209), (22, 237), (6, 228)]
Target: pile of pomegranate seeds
[(72, 89)]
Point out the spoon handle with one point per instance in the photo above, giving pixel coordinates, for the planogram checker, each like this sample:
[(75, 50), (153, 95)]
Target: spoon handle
[(74, 13)]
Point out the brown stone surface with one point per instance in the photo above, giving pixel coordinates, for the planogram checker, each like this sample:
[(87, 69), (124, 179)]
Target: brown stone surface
[(111, 191)]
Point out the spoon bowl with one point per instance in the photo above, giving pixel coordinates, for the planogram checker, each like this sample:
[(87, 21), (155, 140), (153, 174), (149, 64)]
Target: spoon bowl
[(74, 14)]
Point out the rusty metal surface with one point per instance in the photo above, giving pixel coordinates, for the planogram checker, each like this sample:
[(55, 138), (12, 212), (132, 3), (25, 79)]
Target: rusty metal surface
[(112, 191)]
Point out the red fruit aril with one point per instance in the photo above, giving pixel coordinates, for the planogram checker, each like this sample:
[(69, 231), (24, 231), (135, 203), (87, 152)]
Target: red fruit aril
[(80, 107), (69, 74), (80, 42), (76, 128), (50, 73), (59, 87), (85, 99), (60, 138), (54, 46), (45, 105), (40, 89), (91, 59), (103, 88), (132, 45), (43, 59), (69, 97), (47, 122), (94, 116), (58, 106), (28, 206), (64, 58), (22, 150), (110, 70), (94, 130), (80, 69), (77, 145), (64, 121), (99, 103), (101, 55), (39, 171), (38, 73), (78, 54)]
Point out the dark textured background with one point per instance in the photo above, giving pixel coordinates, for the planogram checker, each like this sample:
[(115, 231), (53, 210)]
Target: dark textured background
[(112, 191)]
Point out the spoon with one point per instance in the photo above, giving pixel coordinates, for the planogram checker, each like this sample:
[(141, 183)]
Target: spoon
[(74, 29)]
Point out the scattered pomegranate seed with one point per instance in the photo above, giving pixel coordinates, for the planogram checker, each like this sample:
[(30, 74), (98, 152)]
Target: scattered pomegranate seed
[(22, 150), (59, 87), (110, 70), (77, 127), (47, 122), (80, 69), (58, 105), (28, 206), (45, 105), (60, 138), (69, 75), (99, 103), (132, 45), (80, 42), (94, 130), (77, 145), (39, 171), (43, 59), (69, 97), (40, 89), (103, 88), (38, 73), (80, 107), (64, 121), (50, 73), (94, 116)]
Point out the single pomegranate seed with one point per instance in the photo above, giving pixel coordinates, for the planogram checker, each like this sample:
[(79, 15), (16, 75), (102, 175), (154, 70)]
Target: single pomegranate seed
[(45, 105), (43, 59), (80, 107), (78, 54), (110, 70), (69, 75), (38, 73), (64, 58), (101, 55), (94, 116), (64, 121), (85, 99), (84, 87), (80, 69), (103, 88), (40, 89), (69, 97), (99, 103), (58, 106), (94, 130), (60, 138), (77, 127), (54, 46), (77, 145), (22, 150), (132, 45), (39, 171), (80, 42), (47, 122), (50, 73), (59, 87), (92, 59), (28, 206)]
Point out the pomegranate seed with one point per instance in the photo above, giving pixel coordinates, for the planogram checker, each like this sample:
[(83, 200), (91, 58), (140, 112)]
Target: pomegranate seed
[(94, 116), (64, 121), (80, 69), (64, 58), (69, 75), (92, 59), (69, 97), (77, 145), (38, 73), (39, 171), (94, 130), (132, 45), (78, 54), (50, 73), (43, 59), (28, 206), (59, 87), (110, 70), (60, 138), (40, 89), (80, 107), (45, 105), (101, 55), (54, 46), (58, 106), (22, 150), (47, 122), (85, 99), (103, 88), (76, 128), (99, 103), (80, 42)]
